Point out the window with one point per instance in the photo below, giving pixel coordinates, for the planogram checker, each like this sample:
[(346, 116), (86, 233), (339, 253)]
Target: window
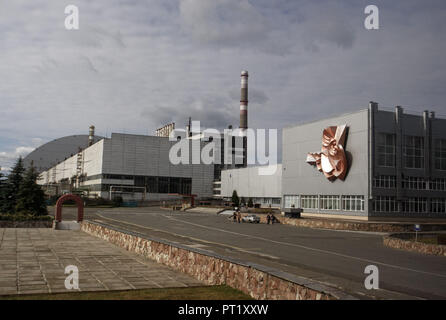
[(386, 149), (330, 202), (186, 185), (174, 185), (163, 185), (414, 152), (385, 204), (152, 184), (414, 183), (438, 205), (438, 184), (387, 182), (440, 154), (290, 200), (353, 203), (276, 201), (415, 205), (310, 202)]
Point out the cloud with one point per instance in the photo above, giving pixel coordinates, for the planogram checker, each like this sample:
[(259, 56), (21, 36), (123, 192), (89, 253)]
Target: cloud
[(135, 65), (8, 159), (223, 22)]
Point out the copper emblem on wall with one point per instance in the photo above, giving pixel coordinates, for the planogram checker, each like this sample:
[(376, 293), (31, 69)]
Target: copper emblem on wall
[(331, 161)]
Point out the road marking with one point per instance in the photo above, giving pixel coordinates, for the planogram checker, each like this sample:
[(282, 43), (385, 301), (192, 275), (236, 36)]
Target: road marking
[(312, 249), (195, 239)]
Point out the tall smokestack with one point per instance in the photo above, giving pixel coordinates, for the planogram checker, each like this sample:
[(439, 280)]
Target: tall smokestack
[(244, 101), (244, 114), (91, 135)]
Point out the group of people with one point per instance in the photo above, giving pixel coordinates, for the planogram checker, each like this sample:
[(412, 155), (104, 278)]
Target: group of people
[(270, 218), (237, 216)]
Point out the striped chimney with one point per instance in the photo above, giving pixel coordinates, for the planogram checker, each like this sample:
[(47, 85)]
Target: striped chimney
[(244, 101)]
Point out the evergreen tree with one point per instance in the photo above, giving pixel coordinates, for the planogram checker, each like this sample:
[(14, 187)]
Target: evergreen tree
[(11, 187), (31, 198), (235, 198), (2, 186)]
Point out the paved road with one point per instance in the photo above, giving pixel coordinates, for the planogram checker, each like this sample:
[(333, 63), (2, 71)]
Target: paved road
[(337, 258)]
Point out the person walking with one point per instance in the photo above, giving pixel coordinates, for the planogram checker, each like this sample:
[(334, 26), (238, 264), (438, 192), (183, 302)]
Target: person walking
[(239, 217), (268, 218)]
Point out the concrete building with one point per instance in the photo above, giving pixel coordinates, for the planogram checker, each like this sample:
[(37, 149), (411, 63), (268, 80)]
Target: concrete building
[(135, 167), (396, 166), (265, 190)]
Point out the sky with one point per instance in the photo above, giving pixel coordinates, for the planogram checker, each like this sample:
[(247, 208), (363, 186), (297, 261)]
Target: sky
[(135, 65)]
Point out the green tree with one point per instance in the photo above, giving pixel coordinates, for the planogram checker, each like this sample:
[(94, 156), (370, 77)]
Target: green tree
[(235, 198), (250, 203), (31, 198), (2, 186), (11, 187)]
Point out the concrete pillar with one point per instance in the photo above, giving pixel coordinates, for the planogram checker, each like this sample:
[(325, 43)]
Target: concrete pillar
[(427, 144), (373, 108), (399, 156)]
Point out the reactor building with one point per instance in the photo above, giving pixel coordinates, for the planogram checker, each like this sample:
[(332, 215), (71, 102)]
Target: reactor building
[(138, 167)]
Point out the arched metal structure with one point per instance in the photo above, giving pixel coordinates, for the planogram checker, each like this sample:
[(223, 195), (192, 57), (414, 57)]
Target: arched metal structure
[(66, 197)]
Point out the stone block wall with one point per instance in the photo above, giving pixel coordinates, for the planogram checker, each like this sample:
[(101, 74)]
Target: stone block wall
[(398, 241), (258, 281), (353, 225)]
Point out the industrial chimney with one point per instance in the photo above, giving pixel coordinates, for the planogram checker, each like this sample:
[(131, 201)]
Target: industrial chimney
[(91, 135), (244, 101), (244, 114)]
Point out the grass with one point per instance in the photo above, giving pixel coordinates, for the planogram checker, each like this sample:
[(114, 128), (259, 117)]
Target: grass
[(222, 292), (24, 217)]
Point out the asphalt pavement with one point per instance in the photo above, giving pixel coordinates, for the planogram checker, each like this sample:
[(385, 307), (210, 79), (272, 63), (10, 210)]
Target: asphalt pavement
[(335, 258)]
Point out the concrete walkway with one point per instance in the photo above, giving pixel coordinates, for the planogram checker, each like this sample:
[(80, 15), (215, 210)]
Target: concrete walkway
[(33, 261)]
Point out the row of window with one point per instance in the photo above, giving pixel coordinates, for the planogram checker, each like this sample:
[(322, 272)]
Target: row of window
[(410, 205), (413, 183), (153, 185), (356, 203), (325, 202), (413, 151)]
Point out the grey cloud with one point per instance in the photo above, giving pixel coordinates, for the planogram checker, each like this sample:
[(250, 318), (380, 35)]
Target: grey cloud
[(255, 96), (223, 22), (137, 65), (213, 112)]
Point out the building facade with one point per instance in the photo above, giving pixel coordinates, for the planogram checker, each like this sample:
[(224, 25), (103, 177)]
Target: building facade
[(136, 167), (396, 166), (265, 190)]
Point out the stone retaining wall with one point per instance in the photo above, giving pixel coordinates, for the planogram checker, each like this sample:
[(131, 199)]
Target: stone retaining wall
[(259, 282), (352, 225), (397, 241), (25, 224)]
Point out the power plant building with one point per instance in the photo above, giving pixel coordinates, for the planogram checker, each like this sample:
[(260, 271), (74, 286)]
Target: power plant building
[(136, 167), (369, 164)]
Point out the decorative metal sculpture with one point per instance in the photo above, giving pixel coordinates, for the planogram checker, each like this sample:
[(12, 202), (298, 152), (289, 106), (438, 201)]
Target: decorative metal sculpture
[(331, 161)]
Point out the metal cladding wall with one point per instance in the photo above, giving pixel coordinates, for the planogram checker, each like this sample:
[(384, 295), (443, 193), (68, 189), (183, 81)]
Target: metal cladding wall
[(301, 178), (250, 184), (128, 154), (92, 165)]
